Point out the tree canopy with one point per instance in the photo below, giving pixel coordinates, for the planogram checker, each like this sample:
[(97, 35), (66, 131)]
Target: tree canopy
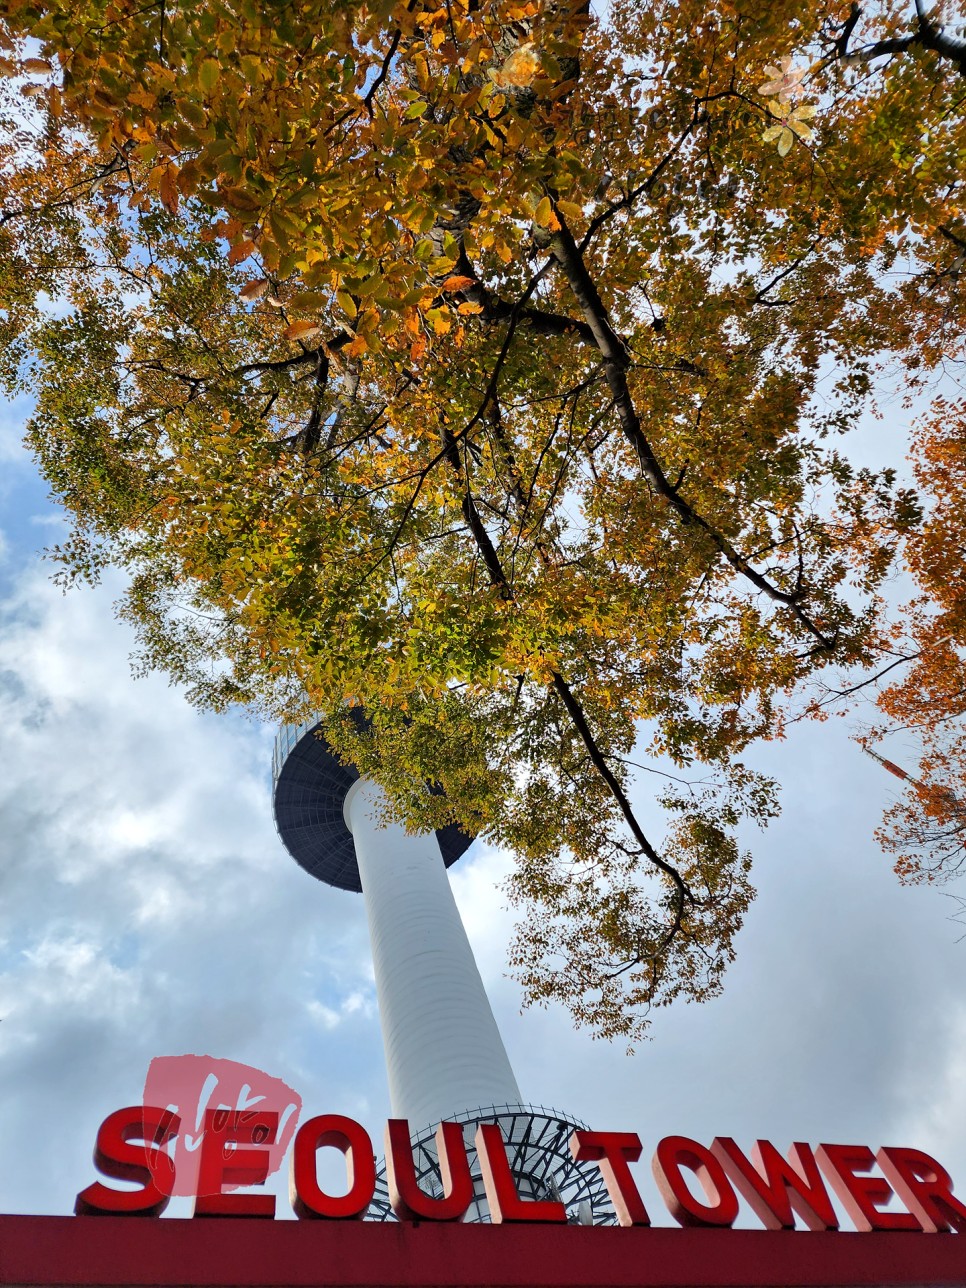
[(487, 365)]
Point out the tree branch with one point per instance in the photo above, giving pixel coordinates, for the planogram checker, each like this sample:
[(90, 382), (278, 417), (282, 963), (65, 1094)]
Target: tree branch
[(926, 34), (616, 361), (575, 711)]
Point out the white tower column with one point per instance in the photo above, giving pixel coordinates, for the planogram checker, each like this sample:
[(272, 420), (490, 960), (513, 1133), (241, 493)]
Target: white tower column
[(444, 1052)]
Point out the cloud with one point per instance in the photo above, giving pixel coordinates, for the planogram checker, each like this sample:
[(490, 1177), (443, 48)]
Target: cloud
[(147, 905)]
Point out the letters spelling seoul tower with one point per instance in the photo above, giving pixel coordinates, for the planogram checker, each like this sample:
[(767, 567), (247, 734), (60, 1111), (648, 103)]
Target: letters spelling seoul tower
[(445, 1057)]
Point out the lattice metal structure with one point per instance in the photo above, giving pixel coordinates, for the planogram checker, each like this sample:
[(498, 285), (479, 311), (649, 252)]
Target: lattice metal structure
[(444, 1052), (538, 1148)]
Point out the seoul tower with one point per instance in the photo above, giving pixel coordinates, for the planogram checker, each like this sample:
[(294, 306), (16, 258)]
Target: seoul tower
[(444, 1055)]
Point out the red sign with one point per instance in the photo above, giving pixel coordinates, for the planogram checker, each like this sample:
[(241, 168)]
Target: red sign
[(700, 1184)]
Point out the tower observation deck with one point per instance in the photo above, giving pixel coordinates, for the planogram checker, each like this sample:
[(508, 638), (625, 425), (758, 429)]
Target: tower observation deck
[(444, 1055)]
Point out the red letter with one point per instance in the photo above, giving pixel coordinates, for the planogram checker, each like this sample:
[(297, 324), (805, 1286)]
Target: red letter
[(116, 1154), (924, 1187), (675, 1152), (222, 1163), (773, 1185), (862, 1196), (612, 1151), (353, 1140), (408, 1201), (501, 1191)]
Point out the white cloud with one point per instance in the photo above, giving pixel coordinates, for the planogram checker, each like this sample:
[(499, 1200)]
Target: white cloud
[(146, 905)]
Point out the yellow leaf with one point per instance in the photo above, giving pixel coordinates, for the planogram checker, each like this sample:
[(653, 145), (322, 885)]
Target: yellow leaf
[(469, 307), (544, 216), (570, 209)]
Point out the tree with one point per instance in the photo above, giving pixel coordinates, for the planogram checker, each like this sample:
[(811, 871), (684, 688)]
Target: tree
[(484, 365)]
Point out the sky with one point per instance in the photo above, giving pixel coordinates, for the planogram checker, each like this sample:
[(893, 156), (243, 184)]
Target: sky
[(148, 908)]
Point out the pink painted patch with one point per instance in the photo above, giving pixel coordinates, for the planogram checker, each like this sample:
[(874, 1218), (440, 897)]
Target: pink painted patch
[(189, 1085)]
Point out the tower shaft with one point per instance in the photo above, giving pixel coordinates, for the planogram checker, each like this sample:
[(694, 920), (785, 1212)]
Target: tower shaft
[(444, 1052)]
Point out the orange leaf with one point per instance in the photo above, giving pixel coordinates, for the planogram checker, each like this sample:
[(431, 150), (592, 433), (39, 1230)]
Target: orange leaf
[(241, 250), (237, 197), (457, 283), (168, 188), (301, 330)]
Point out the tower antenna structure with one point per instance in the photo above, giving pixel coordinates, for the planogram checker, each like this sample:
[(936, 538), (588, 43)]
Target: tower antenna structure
[(890, 765), (445, 1058)]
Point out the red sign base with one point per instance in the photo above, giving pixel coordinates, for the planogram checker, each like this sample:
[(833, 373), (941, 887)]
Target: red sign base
[(42, 1251)]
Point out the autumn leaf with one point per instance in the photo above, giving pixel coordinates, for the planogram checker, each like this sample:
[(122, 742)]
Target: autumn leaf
[(168, 189), (570, 209), (254, 289), (240, 251), (544, 215), (237, 197), (303, 329), (457, 283)]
